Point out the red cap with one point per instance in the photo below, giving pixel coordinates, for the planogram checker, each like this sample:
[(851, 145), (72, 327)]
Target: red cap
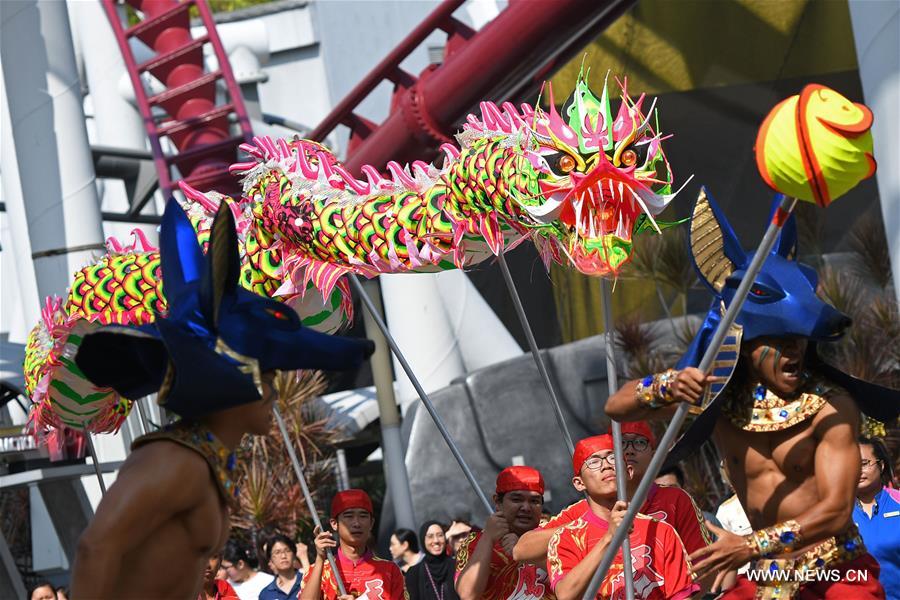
[(350, 499), (639, 428), (520, 478), (588, 446)]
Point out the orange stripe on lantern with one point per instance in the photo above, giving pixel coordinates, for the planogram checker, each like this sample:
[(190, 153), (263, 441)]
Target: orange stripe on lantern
[(813, 171)]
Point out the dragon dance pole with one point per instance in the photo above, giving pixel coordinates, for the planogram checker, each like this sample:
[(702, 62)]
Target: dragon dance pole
[(298, 471), (145, 423), (612, 380), (536, 353), (765, 247), (438, 422), (93, 451)]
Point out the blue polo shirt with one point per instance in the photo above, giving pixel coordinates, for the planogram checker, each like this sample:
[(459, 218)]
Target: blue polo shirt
[(273, 592), (881, 533)]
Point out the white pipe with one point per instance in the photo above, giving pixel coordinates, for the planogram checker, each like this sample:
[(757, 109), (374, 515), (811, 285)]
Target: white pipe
[(118, 122), (27, 292), (415, 314), (51, 144), (482, 339), (444, 327), (876, 26)]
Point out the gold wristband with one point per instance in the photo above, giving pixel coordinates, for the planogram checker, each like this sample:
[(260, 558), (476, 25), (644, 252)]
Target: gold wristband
[(777, 539), (655, 391)]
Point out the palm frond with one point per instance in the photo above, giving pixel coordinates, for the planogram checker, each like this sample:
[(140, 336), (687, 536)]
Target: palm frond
[(270, 496), (872, 260), (639, 342)]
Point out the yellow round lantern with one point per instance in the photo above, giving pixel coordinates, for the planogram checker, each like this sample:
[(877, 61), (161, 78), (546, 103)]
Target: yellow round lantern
[(815, 146)]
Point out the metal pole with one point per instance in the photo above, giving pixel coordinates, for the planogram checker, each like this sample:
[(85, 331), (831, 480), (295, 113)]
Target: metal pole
[(93, 451), (765, 247), (342, 472), (391, 441), (536, 353), (470, 477), (142, 417), (298, 471), (618, 452)]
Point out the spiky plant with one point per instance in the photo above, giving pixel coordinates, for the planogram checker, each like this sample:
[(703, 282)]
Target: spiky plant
[(270, 495), (638, 343), (865, 292), (662, 259), (872, 260)]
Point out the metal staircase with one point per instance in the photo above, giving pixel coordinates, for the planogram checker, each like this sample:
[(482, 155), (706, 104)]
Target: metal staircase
[(186, 111)]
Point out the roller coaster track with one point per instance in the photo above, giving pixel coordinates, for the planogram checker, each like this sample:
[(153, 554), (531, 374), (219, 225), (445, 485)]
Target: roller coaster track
[(186, 111)]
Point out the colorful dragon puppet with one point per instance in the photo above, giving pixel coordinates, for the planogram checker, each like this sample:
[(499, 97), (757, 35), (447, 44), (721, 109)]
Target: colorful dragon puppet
[(579, 185)]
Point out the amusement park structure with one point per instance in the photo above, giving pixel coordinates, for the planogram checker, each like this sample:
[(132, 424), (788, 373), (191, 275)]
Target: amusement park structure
[(196, 100)]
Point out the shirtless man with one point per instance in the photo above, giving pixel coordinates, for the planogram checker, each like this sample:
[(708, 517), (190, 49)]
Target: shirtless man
[(165, 498), (213, 359), (797, 482), (784, 426)]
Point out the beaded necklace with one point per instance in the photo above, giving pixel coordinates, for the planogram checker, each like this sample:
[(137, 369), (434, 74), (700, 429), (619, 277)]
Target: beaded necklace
[(439, 593), (771, 412)]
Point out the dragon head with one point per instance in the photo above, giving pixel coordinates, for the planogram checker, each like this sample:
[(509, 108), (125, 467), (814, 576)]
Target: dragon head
[(601, 179)]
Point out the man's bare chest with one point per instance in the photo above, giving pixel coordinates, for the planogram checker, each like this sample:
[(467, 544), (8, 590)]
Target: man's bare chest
[(789, 453)]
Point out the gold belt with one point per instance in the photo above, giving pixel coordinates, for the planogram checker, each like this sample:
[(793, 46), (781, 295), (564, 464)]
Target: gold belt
[(792, 572)]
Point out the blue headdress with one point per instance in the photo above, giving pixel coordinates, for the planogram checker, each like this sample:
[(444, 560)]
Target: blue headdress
[(209, 351), (782, 302)]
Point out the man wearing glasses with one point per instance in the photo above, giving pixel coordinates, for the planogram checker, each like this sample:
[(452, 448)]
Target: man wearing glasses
[(281, 552), (669, 504), (659, 560)]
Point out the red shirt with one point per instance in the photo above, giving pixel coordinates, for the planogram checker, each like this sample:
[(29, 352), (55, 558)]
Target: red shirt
[(665, 503), (224, 591), (661, 571), (369, 578), (508, 579)]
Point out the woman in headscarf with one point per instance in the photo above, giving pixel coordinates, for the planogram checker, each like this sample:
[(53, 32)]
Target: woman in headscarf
[(432, 578)]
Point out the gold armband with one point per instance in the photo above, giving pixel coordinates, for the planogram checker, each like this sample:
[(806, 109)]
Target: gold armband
[(777, 539), (655, 391)]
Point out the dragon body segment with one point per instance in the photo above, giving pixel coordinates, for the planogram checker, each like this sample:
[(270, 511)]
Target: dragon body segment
[(578, 189)]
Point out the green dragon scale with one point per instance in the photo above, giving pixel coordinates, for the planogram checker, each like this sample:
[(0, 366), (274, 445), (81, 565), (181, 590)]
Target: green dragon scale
[(578, 187)]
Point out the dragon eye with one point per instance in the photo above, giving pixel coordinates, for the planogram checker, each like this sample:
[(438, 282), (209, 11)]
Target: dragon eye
[(278, 314), (628, 158), (566, 163), (758, 291)]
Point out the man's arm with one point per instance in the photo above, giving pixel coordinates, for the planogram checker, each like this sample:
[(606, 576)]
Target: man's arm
[(532, 545), (837, 473), (473, 577), (149, 491), (574, 583), (687, 386), (312, 581)]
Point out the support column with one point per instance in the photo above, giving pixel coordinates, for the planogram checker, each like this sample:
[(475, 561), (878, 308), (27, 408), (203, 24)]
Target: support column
[(391, 441), (875, 26), (51, 145), (28, 298)]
